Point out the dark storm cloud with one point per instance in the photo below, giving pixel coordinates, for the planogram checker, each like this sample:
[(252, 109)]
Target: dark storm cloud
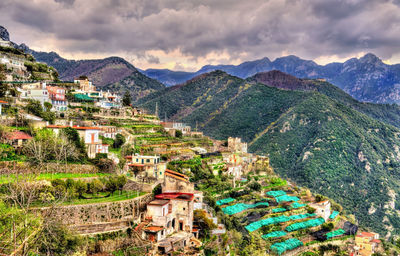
[(257, 28)]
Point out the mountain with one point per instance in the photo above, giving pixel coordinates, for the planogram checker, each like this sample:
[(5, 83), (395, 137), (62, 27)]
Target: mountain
[(366, 79), (314, 133), (167, 76), (113, 73)]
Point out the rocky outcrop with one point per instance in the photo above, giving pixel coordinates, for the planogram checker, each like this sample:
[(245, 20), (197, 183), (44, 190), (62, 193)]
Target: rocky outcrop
[(4, 34)]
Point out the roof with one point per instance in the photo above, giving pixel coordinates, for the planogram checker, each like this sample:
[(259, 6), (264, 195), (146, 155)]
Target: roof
[(176, 196), (158, 202), (3, 102), (176, 175), (376, 241), (367, 234), (153, 228), (18, 135)]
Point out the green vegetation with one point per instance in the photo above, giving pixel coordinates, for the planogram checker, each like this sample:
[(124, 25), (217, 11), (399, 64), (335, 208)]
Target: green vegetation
[(317, 136), (35, 108)]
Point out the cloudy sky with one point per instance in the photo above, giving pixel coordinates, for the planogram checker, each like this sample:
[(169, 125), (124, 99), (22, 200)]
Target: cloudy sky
[(187, 34)]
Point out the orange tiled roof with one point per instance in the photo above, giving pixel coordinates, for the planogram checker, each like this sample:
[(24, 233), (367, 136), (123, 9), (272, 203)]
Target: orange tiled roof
[(3, 102), (176, 175), (376, 241), (367, 234), (153, 228), (18, 135)]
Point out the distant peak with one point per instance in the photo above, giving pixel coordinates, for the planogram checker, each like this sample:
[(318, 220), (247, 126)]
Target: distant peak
[(370, 58), (4, 35)]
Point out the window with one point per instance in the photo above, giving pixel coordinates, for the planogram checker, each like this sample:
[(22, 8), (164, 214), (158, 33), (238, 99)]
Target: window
[(148, 161), (184, 208)]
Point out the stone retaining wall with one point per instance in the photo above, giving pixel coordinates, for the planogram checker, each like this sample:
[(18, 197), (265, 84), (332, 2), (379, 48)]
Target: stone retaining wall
[(12, 167), (100, 213)]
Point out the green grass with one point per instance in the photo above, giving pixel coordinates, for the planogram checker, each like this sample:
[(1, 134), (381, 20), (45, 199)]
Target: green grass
[(124, 195), (52, 176)]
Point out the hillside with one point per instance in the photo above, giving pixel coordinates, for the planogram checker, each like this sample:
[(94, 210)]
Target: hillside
[(366, 79), (286, 124)]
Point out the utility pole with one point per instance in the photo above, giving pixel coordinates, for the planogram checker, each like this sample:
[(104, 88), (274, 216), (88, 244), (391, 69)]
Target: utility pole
[(156, 109)]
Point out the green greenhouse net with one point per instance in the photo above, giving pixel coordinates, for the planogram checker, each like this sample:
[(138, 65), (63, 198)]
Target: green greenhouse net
[(296, 205), (275, 220), (289, 244), (305, 224), (276, 193), (337, 232), (333, 215), (236, 208), (278, 210), (286, 198), (225, 201), (274, 234)]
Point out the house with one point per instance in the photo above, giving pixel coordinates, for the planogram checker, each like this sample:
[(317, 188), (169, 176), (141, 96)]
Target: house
[(85, 85), (172, 127), (90, 136), (323, 209), (2, 102), (171, 214), (36, 91), (366, 243), (16, 138), (58, 98), (109, 131), (145, 167), (235, 145)]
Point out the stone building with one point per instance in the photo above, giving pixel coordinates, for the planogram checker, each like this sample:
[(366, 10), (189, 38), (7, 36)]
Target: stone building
[(145, 167), (235, 145), (323, 209)]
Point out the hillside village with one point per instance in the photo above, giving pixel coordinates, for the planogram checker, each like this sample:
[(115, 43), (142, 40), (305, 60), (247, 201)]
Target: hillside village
[(85, 171)]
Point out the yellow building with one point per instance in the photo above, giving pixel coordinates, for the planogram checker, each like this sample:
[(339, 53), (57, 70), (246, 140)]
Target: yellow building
[(366, 243)]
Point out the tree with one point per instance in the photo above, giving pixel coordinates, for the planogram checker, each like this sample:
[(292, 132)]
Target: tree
[(56, 239), (48, 106), (255, 186), (80, 188), (95, 186), (178, 134), (126, 100), (73, 136), (119, 140)]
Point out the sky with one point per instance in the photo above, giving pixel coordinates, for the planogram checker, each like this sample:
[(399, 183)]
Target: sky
[(188, 34)]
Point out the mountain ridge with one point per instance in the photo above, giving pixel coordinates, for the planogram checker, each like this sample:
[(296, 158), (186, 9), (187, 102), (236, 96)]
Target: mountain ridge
[(367, 79)]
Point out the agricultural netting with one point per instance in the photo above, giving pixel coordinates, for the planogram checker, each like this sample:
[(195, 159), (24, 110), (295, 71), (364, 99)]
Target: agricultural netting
[(287, 245), (276, 193), (334, 233), (333, 215), (236, 208), (276, 210), (286, 198), (225, 201), (296, 205), (275, 220), (305, 224), (274, 234)]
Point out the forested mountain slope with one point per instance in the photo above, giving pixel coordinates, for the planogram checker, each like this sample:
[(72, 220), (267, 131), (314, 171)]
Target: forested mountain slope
[(314, 133)]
